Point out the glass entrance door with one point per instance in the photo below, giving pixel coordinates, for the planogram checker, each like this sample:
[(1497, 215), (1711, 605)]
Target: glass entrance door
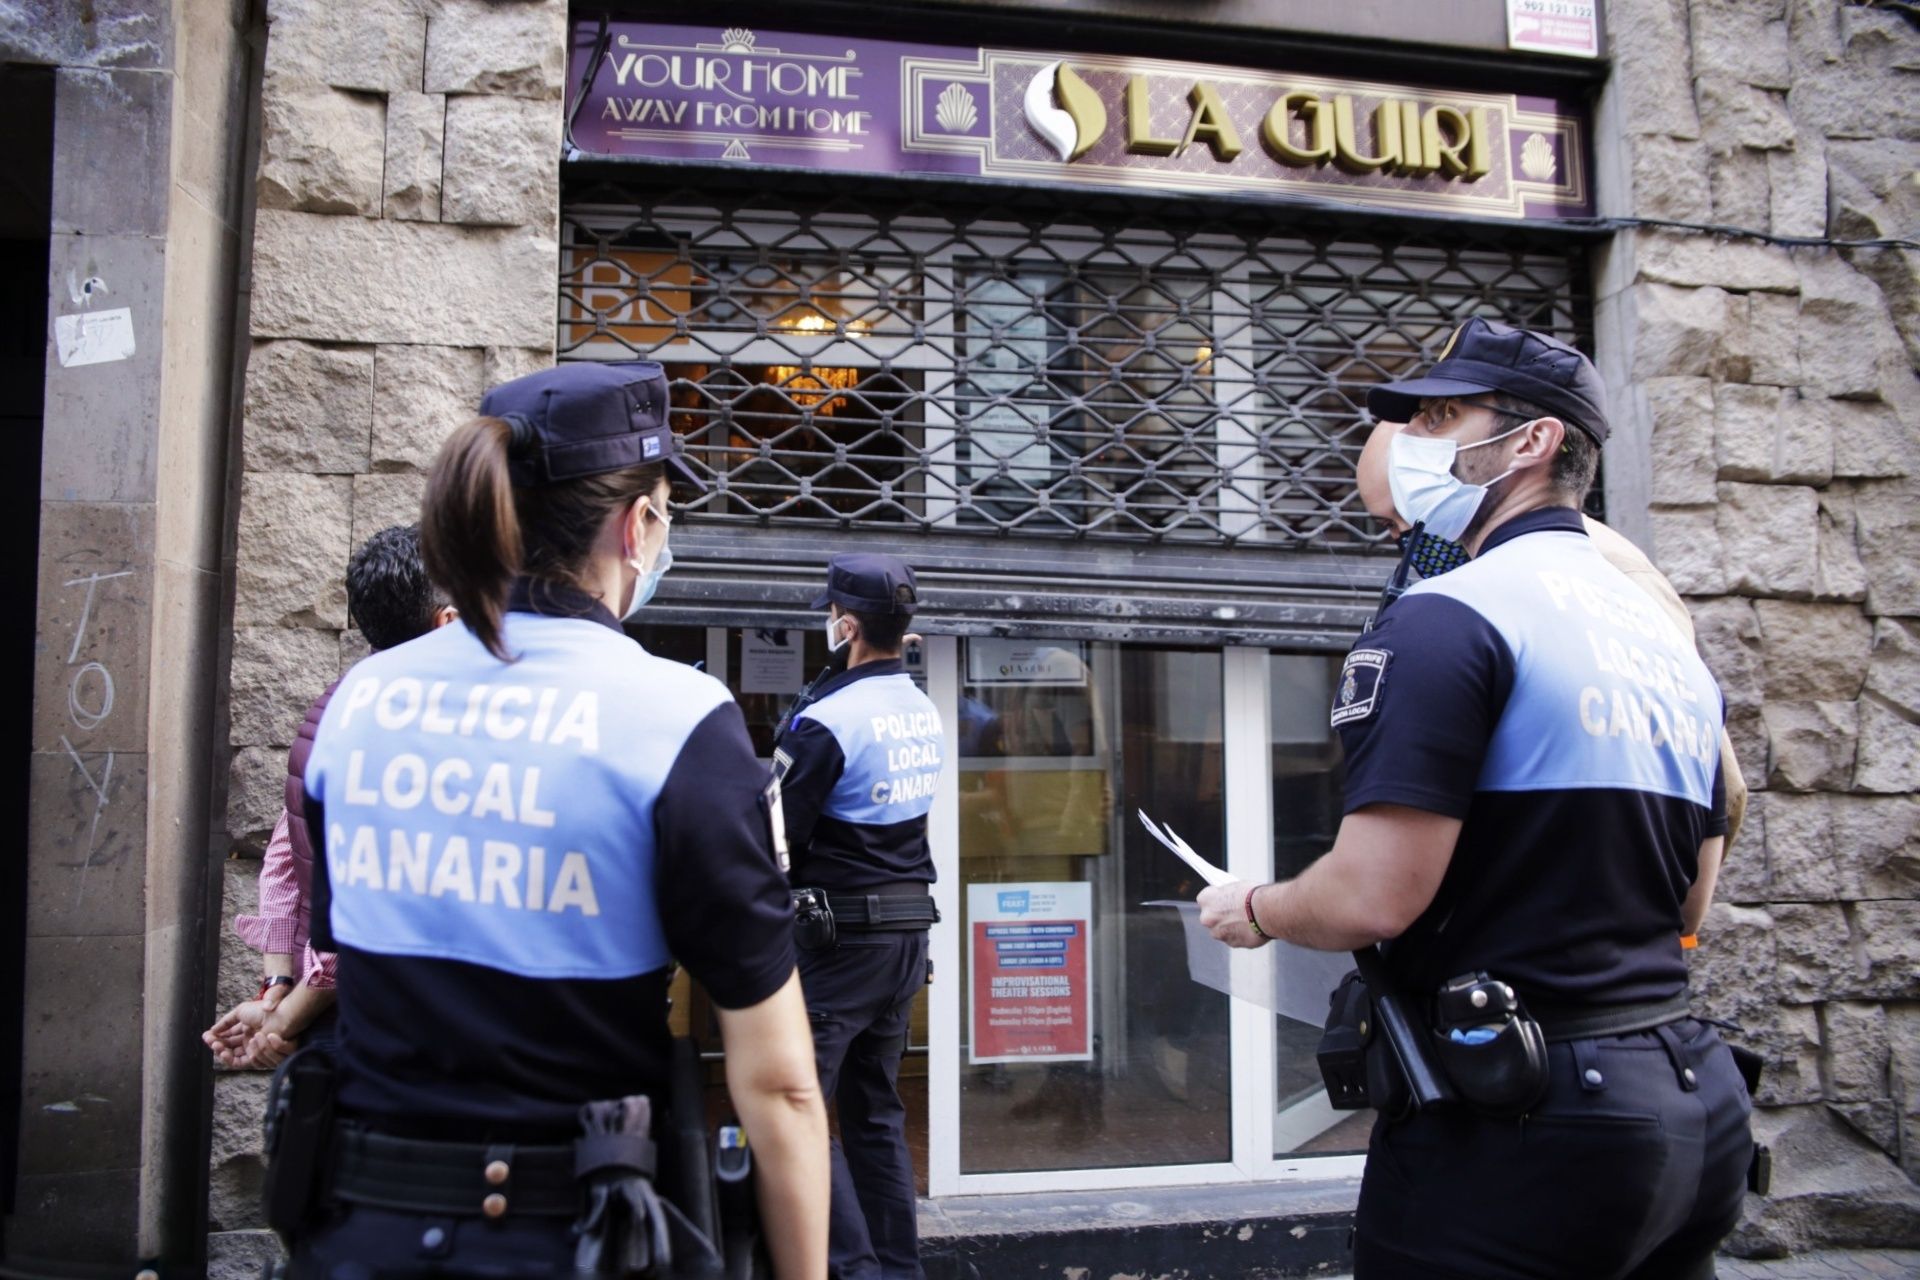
[(1082, 1044), (1063, 1044)]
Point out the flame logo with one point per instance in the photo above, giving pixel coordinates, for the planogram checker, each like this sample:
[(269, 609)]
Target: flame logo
[(1063, 109)]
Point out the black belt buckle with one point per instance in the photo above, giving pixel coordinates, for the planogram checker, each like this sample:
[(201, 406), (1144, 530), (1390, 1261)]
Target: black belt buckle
[(813, 927)]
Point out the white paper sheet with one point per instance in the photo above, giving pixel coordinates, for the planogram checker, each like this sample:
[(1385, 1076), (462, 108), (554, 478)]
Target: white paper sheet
[(1292, 981), (94, 337), (1184, 851)]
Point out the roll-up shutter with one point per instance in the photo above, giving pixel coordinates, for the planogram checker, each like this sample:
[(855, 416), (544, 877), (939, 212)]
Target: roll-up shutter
[(1125, 425)]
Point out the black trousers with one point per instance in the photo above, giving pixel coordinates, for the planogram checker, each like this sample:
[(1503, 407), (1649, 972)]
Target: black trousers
[(858, 998), (1629, 1170)]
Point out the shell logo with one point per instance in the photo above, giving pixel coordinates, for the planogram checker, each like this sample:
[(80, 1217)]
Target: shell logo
[(1064, 110)]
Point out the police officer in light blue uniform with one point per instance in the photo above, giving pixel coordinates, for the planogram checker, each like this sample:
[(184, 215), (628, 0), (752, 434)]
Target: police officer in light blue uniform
[(1534, 807), (525, 820), (858, 766)]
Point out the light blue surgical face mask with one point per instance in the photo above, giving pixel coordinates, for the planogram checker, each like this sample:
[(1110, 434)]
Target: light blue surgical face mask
[(1425, 490), (649, 580)]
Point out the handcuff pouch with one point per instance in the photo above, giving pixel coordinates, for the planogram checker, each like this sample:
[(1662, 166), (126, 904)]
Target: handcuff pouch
[(1502, 1077), (813, 927), (1490, 1049)]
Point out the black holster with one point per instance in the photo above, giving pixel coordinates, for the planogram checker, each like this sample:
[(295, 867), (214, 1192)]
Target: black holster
[(1344, 1045), (1376, 1052), (1357, 1063), (813, 925), (299, 1137)]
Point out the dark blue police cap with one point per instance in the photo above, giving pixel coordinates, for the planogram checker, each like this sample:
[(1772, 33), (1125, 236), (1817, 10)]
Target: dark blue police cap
[(868, 582), (585, 418), (1485, 355)]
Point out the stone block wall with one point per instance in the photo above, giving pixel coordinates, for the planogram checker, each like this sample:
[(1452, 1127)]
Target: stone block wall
[(1768, 453), (404, 258), (1768, 422)]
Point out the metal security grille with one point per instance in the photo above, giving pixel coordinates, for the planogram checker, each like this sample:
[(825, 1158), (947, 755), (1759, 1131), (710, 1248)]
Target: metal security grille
[(928, 370)]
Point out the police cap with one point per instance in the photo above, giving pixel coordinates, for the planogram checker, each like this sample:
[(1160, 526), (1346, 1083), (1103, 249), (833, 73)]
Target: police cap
[(1485, 355), (869, 582), (585, 418)]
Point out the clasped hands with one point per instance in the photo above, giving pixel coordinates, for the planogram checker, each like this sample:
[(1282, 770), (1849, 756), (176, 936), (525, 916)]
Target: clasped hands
[(254, 1033)]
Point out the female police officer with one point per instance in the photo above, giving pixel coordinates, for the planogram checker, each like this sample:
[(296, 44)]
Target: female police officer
[(523, 818)]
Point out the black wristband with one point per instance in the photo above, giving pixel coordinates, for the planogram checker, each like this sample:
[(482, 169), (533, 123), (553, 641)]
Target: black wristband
[(273, 980)]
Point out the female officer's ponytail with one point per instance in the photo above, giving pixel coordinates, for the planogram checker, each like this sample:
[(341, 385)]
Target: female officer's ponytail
[(478, 532), (469, 529)]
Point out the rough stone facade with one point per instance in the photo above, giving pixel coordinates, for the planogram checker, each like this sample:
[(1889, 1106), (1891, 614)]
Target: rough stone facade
[(1767, 447), (149, 107), (404, 251), (1768, 421)]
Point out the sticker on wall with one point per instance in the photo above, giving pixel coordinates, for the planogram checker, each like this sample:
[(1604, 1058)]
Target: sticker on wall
[(1029, 964), (93, 337), (1570, 28)]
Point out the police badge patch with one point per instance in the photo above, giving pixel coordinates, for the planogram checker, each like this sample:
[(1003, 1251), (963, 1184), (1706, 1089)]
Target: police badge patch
[(1360, 679)]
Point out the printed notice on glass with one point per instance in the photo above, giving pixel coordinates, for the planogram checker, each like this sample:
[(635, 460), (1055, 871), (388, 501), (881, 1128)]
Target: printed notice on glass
[(1028, 954), (1570, 28), (771, 662), (994, 661)]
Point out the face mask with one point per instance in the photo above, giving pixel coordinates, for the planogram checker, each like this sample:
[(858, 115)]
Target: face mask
[(1425, 490), (649, 581), (836, 638)]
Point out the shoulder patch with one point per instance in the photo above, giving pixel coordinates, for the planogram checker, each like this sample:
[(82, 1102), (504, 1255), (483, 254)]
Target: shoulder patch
[(1358, 694)]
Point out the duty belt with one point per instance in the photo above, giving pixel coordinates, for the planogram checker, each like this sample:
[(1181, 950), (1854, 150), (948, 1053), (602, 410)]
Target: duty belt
[(880, 911), (1575, 1023), (466, 1178)]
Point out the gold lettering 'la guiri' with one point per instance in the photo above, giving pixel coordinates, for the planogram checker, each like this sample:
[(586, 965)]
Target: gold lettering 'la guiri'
[(1407, 141), (1277, 129), (1207, 123), (1140, 137)]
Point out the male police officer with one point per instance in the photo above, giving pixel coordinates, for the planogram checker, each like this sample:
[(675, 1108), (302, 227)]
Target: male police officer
[(858, 766), (1532, 794)]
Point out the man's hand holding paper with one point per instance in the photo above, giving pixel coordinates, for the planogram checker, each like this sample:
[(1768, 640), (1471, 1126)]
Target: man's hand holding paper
[(1223, 913)]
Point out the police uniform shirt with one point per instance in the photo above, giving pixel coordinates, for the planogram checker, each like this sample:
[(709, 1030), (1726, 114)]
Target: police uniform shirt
[(513, 852), (1538, 695), (857, 771)]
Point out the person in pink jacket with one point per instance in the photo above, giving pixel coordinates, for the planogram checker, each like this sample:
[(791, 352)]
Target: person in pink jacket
[(392, 601)]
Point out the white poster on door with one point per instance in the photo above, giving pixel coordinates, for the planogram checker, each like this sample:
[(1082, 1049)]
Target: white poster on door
[(772, 661)]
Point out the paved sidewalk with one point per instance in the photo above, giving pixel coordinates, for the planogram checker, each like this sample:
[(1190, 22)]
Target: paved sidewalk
[(1836, 1264), (1829, 1264)]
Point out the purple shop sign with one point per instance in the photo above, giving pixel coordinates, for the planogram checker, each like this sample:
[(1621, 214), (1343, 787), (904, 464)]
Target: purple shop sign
[(786, 100)]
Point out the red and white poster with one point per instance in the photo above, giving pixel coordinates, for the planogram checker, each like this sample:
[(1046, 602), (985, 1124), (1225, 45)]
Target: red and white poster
[(1031, 989), (1568, 27)]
